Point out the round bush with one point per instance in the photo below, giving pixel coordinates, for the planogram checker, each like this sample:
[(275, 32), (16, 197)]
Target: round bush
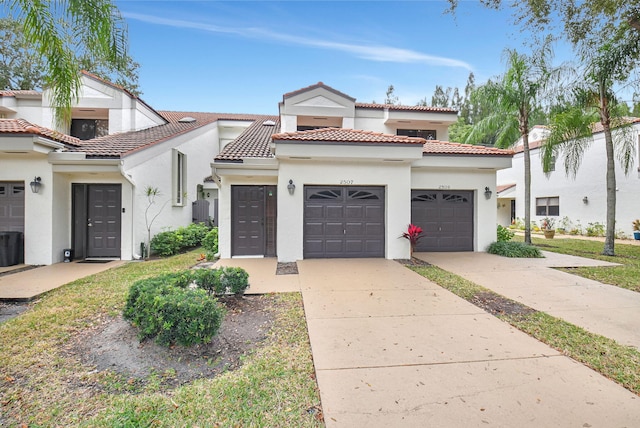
[(210, 242), (504, 234), (168, 308)]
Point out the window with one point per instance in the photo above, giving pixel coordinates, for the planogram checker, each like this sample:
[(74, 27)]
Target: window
[(427, 134), (179, 177), (552, 166), (311, 128), (548, 206), (87, 129)]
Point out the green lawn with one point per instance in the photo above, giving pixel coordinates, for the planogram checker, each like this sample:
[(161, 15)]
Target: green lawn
[(42, 385), (625, 276)]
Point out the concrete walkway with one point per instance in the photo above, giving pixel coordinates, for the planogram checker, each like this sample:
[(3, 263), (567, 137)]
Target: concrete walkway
[(391, 348), (27, 285), (603, 309)]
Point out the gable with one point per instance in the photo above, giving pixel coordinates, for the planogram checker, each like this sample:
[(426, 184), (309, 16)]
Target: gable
[(319, 101)]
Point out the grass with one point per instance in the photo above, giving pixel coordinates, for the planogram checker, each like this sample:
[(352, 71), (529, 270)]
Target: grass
[(617, 362), (628, 256), (40, 385)]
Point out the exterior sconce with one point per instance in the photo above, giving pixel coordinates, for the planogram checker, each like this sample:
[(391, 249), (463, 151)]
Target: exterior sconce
[(36, 184), (291, 187), (487, 193), (585, 200)]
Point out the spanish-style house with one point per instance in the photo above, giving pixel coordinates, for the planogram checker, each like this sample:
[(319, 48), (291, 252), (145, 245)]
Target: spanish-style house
[(574, 203), (326, 177)]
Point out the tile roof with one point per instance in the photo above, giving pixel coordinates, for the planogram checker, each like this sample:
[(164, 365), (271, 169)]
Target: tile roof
[(341, 135), (254, 142), (436, 147), (21, 126), (315, 86), (374, 106), (504, 187), (13, 93), (126, 143)]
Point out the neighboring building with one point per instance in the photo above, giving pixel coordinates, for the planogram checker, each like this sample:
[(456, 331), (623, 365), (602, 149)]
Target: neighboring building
[(327, 177), (574, 203), (93, 176)]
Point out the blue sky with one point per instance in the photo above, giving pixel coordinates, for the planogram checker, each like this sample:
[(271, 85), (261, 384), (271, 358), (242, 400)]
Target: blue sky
[(242, 56)]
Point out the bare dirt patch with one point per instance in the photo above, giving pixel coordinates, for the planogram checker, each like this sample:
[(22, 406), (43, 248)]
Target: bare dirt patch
[(287, 268), (496, 304), (113, 346), (10, 310)]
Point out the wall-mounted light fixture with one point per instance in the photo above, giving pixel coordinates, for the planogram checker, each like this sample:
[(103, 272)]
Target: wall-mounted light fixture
[(291, 187), (585, 200), (36, 184), (487, 193)]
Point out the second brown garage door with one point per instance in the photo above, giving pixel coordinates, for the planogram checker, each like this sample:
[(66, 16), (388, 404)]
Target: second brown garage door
[(446, 217), (343, 221)]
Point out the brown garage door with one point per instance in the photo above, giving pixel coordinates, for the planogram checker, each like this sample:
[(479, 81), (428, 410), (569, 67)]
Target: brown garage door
[(446, 217), (343, 221), (11, 206)]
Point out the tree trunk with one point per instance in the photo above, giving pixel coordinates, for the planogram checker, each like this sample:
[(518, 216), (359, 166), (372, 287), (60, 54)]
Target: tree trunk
[(527, 185), (605, 119)]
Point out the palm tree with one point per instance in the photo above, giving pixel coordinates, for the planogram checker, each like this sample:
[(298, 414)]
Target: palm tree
[(63, 31), (514, 98), (594, 101)]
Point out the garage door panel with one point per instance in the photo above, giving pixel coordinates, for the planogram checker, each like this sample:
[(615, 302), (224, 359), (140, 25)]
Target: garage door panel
[(12, 206), (446, 218), (350, 223)]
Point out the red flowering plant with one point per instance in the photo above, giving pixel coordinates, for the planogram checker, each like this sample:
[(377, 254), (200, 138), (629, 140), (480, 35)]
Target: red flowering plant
[(413, 235)]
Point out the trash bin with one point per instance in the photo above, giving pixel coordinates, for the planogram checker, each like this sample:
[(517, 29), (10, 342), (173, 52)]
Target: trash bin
[(10, 248), (68, 255)]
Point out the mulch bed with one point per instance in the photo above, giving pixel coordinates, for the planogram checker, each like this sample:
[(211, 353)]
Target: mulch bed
[(413, 262), (287, 269), (497, 305)]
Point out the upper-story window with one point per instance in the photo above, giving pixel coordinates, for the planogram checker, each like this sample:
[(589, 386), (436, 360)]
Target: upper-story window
[(427, 134), (87, 129), (310, 128)]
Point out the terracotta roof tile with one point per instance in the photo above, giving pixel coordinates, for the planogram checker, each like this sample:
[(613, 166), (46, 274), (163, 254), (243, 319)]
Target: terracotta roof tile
[(341, 135), (504, 187), (21, 126), (405, 108), (13, 93), (254, 142), (436, 147)]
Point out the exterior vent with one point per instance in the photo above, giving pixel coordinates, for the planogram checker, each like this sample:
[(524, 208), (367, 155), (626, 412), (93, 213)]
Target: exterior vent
[(268, 123), (187, 119)]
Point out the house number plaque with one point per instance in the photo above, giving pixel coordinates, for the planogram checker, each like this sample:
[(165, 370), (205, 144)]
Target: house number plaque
[(346, 181), (444, 187)]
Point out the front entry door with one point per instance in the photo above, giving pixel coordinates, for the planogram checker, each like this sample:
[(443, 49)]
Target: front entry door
[(248, 205), (103, 222)]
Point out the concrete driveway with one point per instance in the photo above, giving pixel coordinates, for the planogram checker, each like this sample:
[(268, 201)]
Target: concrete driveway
[(391, 348), (603, 309)]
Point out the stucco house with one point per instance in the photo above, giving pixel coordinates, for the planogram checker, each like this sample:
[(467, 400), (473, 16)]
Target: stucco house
[(91, 178), (326, 177), (331, 177), (574, 203)]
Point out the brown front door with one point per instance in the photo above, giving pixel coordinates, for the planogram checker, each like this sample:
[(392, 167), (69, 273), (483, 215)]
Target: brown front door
[(253, 217), (103, 220)]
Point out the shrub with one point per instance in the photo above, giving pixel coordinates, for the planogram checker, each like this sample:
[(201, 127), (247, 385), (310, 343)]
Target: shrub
[(165, 307), (171, 242), (504, 234), (210, 243), (595, 229), (514, 249), (226, 280), (165, 244)]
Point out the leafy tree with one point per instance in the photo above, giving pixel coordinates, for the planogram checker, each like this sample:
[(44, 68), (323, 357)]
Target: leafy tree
[(20, 66), (441, 97), (62, 32), (594, 101), (390, 97), (514, 97)]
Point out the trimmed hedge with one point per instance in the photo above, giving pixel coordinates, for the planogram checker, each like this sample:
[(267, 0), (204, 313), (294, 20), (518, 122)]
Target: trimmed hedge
[(222, 281), (210, 243), (168, 308), (171, 242), (514, 249)]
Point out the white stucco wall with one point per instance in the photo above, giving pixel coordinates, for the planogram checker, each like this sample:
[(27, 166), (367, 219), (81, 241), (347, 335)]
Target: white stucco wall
[(153, 167), (590, 182), (484, 215)]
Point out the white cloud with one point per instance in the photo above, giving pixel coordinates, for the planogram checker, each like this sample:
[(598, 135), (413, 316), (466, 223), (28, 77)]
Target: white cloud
[(378, 53)]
